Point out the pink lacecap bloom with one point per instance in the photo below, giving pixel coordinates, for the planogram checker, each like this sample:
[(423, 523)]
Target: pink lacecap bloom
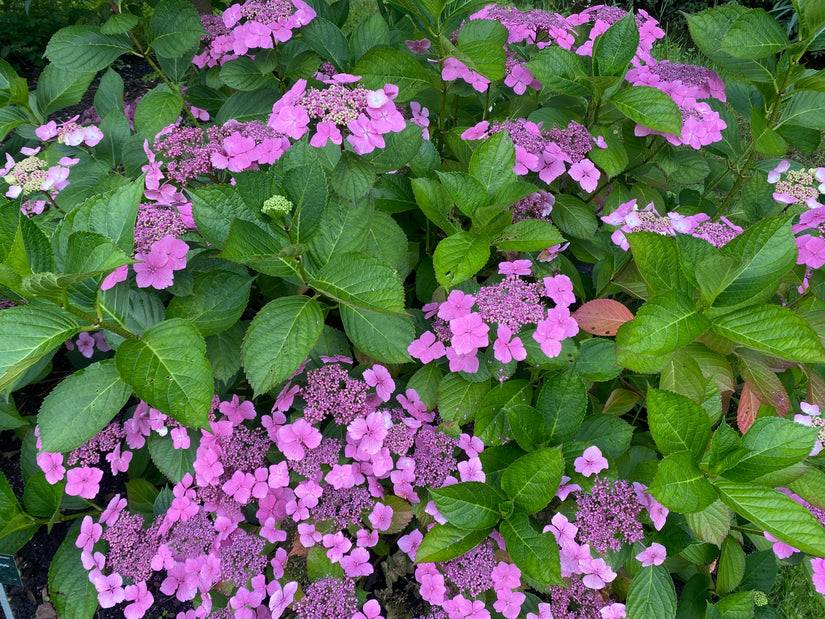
[(517, 267), (590, 462), (109, 589), (469, 333), (780, 549), (818, 566), (463, 362), (506, 349), (457, 305), (141, 599), (52, 465), (357, 563), (379, 377), (426, 348)]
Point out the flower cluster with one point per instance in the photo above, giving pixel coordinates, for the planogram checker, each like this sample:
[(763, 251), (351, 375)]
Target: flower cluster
[(255, 24), (70, 133), (454, 69), (32, 175), (367, 115), (459, 333), (686, 85), (550, 153), (532, 26), (86, 343), (632, 219)]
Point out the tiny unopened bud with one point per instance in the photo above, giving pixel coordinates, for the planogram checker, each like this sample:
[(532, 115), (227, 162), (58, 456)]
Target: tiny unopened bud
[(759, 598), (276, 207)]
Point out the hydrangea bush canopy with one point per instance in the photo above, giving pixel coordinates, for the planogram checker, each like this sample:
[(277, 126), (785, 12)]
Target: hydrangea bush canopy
[(475, 312)]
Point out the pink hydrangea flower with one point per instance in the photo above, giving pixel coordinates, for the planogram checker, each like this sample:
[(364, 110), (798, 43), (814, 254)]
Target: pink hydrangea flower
[(427, 348), (506, 349), (83, 481), (590, 462), (516, 267), (52, 465), (141, 598), (379, 377), (654, 555)]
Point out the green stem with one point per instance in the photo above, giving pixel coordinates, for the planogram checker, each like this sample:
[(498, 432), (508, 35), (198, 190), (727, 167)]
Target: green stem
[(100, 324)]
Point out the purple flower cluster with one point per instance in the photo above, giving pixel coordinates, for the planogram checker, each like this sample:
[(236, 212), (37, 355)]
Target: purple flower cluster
[(460, 333), (255, 24), (532, 26), (364, 115), (609, 515), (550, 153), (605, 16), (632, 219), (686, 85)]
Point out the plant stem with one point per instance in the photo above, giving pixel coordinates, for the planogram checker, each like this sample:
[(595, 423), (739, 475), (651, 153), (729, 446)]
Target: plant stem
[(96, 322)]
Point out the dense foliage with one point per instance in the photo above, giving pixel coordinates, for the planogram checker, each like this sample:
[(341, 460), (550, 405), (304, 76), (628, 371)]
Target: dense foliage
[(476, 312)]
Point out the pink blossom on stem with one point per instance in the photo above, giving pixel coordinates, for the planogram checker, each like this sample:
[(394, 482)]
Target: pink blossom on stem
[(590, 462), (83, 481), (426, 348), (654, 555), (379, 377)]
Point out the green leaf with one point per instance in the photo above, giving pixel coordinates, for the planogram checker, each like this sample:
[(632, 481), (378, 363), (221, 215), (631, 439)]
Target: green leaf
[(470, 505), (401, 148), (775, 513), (173, 463), (84, 49), (562, 403), (652, 594), (649, 107), (41, 498), (245, 74), (386, 65), (526, 426), (353, 176), (559, 70), (247, 243), (223, 351), (246, 106), (528, 235), (459, 399), (434, 201), (119, 23), (445, 541), (58, 88), (215, 207), (92, 252), (811, 487), (384, 337), (427, 382), (141, 495), (81, 406), (168, 370), (532, 480), (459, 257), (755, 35), (615, 48), (327, 40), (386, 240), (610, 434), (491, 424), (766, 140), (773, 330), (662, 325), (344, 227), (773, 444), (711, 524), (14, 90), (174, 28), (217, 302), (158, 108), (677, 423), (10, 419), (279, 340), (726, 450), (466, 191), (680, 486), (731, 566), (371, 32), (361, 281), (536, 554), (574, 217), (70, 591), (12, 117), (493, 161), (765, 252), (29, 332), (657, 257)]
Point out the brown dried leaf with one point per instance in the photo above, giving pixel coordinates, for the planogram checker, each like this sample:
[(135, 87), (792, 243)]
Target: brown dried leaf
[(749, 404)]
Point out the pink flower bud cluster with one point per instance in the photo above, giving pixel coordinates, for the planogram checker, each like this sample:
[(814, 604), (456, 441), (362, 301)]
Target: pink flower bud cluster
[(365, 116), (632, 219), (255, 24), (685, 84), (550, 153), (70, 133), (604, 16), (802, 187), (33, 175), (460, 334)]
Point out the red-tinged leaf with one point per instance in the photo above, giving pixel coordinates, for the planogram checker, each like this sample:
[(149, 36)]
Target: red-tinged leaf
[(764, 382), (602, 316), (816, 389), (749, 404)]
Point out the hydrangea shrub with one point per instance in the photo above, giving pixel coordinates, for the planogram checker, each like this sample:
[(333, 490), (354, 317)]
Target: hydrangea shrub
[(475, 312)]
